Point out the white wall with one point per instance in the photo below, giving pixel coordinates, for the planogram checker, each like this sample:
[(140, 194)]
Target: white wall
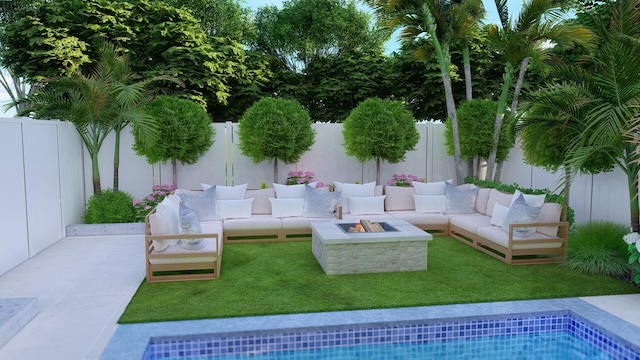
[(42, 170)]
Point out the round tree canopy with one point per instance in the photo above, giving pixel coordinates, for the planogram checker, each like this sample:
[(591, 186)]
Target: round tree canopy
[(380, 129), (275, 129)]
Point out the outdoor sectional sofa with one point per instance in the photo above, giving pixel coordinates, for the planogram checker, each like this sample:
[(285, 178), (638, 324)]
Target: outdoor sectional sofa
[(474, 216)]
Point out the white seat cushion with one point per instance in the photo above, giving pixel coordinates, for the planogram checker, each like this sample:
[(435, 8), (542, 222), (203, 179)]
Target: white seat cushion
[(208, 254), (497, 235), (256, 222), (297, 223), (469, 222), (420, 219)]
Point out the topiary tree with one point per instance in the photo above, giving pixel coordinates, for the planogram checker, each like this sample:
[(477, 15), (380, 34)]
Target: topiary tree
[(379, 129), (185, 132), (275, 129), (476, 121)]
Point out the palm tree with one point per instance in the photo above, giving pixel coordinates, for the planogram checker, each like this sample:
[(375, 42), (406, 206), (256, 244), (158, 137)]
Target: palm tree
[(539, 24), (603, 100), (96, 101), (442, 22)]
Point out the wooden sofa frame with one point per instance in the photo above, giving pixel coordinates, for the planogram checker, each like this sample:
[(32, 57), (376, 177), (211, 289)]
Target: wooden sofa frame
[(183, 270), (511, 256)]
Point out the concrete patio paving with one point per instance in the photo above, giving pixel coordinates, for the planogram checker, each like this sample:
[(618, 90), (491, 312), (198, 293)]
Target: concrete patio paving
[(83, 284)]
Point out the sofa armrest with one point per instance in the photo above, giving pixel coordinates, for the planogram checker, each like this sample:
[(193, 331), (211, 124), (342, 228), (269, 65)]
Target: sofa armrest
[(563, 229)]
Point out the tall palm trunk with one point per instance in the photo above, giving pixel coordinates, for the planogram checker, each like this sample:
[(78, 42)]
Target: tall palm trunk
[(467, 73), (519, 82), (116, 160), (95, 175), (632, 169), (506, 86)]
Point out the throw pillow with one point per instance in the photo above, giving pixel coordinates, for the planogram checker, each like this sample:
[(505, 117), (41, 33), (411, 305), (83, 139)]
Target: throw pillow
[(159, 226), (235, 209), (228, 192), (287, 207), (372, 205), (399, 198), (499, 214), (189, 224), (460, 200), (430, 188), (318, 203), (519, 213), (169, 212), (291, 191), (353, 190), (203, 203), (531, 200), (430, 203)]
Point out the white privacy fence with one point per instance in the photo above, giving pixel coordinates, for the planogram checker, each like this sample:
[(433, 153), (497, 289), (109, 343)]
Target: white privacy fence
[(47, 176)]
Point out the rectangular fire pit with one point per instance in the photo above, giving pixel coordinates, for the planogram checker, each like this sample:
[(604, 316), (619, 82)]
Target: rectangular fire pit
[(403, 247)]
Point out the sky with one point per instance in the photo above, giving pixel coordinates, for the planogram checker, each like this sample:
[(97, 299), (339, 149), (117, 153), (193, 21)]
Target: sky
[(492, 17)]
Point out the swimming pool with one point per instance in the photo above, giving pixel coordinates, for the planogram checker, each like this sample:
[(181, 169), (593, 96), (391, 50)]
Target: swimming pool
[(441, 324)]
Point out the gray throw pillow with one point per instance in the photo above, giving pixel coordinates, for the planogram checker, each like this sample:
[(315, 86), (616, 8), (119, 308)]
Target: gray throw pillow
[(460, 201), (320, 204), (189, 224), (203, 204), (519, 213)]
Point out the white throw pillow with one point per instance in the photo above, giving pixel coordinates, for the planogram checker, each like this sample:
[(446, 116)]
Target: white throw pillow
[(228, 192), (235, 209), (430, 188), (159, 226), (353, 190), (499, 214), (430, 203), (291, 191), (531, 200), (372, 205), (169, 212), (287, 207)]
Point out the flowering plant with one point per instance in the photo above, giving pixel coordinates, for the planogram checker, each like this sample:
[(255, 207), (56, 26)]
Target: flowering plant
[(403, 180), (633, 241), (145, 205), (299, 177)]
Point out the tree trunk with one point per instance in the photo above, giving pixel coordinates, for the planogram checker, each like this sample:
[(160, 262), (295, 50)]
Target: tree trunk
[(275, 170), (95, 175), (116, 160), (497, 127), (378, 171), (451, 111), (498, 173), (174, 165), (632, 177), (467, 75), (470, 164), (516, 91)]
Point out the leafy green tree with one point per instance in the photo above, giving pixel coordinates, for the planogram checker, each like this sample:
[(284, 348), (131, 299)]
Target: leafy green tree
[(601, 99), (476, 120), (381, 130), (524, 39), (220, 18), (96, 102), (160, 40), (307, 29), (186, 132), (275, 129), (336, 84)]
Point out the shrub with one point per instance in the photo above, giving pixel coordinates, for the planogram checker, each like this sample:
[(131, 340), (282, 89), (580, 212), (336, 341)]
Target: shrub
[(144, 206), (112, 207), (595, 247), (404, 180)]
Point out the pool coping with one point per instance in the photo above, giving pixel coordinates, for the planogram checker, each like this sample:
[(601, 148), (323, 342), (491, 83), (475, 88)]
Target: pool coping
[(130, 341)]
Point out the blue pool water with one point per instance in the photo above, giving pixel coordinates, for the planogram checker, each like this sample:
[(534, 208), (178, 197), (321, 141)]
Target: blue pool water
[(547, 336)]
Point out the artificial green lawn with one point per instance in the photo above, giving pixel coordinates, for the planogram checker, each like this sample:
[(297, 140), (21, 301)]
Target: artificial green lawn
[(283, 278)]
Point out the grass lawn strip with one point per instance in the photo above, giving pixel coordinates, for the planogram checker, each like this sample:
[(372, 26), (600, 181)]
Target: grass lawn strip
[(285, 278)]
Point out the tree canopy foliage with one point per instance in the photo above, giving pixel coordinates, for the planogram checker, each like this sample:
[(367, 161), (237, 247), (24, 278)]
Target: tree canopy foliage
[(275, 129), (381, 130), (160, 40)]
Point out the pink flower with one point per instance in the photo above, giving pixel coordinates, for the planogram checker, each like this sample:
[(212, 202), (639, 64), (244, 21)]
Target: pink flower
[(147, 207), (151, 198), (136, 202)]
